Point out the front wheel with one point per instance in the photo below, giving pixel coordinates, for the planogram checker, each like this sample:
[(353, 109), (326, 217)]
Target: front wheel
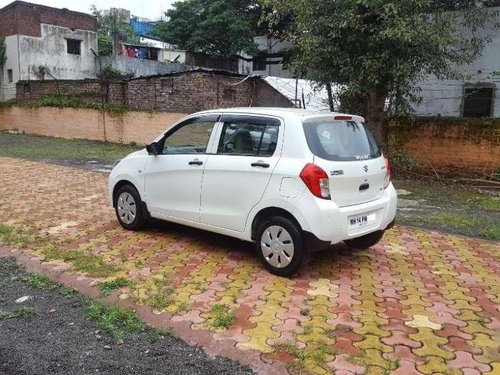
[(128, 207), (366, 241), (280, 246)]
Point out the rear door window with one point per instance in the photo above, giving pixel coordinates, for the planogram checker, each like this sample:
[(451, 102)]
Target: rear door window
[(247, 136), (340, 140)]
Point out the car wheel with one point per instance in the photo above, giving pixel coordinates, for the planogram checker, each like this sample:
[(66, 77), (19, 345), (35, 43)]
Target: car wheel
[(280, 246), (129, 208), (365, 242)]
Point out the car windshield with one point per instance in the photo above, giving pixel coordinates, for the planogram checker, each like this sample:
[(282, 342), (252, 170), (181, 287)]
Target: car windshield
[(340, 140)]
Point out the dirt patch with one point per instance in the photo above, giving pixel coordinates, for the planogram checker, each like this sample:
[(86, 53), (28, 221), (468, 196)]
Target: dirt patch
[(456, 209), (51, 332)]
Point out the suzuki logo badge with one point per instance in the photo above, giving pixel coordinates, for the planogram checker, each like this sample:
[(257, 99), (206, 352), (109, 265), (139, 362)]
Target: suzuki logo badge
[(365, 168)]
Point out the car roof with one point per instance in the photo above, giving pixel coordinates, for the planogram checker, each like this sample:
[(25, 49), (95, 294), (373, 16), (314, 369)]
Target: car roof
[(304, 114)]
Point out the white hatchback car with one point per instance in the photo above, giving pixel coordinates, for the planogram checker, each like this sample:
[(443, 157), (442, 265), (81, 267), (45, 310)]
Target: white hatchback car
[(291, 181)]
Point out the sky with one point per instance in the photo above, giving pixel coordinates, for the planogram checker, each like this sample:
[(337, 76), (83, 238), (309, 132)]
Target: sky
[(142, 8)]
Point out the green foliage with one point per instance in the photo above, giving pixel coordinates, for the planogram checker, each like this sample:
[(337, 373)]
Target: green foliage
[(111, 27), (379, 49), (71, 101), (223, 316), (107, 287), (402, 163), (81, 260), (104, 44), (17, 237), (9, 264), (109, 73), (216, 27), (18, 314), (57, 149), (3, 51), (39, 281), (115, 321)]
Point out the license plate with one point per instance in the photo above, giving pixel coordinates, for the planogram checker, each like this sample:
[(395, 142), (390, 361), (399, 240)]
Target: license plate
[(360, 221)]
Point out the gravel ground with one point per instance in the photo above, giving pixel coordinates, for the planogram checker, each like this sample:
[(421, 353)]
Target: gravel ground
[(55, 336)]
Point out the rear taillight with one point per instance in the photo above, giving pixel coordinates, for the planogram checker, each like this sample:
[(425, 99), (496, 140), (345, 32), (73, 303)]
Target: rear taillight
[(316, 181), (387, 180)]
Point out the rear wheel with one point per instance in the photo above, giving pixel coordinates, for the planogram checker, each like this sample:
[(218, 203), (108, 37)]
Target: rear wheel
[(365, 242), (280, 246), (129, 208)]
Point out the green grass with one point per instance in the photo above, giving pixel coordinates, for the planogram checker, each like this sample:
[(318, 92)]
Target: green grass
[(490, 204), (291, 349), (107, 287), (81, 260), (17, 237), (492, 233), (39, 281), (18, 314), (66, 100), (163, 298), (115, 321), (43, 282), (9, 264), (57, 149), (223, 317), (305, 312)]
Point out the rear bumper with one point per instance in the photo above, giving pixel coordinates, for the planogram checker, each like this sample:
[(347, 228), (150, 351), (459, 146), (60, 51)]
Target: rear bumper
[(330, 224)]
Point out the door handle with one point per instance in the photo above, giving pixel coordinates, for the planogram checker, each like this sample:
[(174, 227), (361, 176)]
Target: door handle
[(195, 162), (260, 164)]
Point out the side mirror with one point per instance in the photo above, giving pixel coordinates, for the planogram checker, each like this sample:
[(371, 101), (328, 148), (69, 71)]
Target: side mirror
[(152, 149)]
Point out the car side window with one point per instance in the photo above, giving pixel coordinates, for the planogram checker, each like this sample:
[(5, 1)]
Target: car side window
[(247, 138), (189, 138)]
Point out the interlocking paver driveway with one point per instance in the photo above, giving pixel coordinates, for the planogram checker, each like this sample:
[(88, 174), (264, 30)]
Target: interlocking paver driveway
[(419, 302)]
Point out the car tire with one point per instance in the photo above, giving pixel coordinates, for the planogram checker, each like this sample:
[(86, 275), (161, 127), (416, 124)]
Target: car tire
[(280, 246), (366, 241), (129, 208)]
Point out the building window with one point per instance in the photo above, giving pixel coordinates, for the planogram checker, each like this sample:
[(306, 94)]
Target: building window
[(73, 46), (10, 76), (259, 64), (228, 94), (478, 101)]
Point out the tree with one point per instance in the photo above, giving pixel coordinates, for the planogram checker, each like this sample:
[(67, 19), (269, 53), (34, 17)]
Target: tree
[(216, 27), (3, 51), (111, 30), (379, 49)]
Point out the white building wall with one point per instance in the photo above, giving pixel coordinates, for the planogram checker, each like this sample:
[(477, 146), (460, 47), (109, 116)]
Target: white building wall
[(27, 55), (445, 97), (269, 45), (8, 89), (50, 51)]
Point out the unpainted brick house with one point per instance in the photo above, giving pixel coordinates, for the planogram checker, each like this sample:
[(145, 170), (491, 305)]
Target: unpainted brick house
[(45, 43), (185, 92)]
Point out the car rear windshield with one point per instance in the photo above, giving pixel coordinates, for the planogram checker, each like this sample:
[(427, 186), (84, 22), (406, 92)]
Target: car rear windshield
[(340, 140)]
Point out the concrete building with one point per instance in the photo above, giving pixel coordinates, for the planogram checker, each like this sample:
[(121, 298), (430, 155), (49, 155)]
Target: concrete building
[(270, 60), (477, 95), (45, 43), (123, 15)]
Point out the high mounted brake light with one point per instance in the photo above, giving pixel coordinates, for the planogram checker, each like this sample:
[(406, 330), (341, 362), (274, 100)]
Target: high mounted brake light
[(343, 118)]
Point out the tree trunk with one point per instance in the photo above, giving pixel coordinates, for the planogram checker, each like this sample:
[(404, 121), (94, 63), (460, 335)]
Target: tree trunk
[(330, 96), (374, 114)]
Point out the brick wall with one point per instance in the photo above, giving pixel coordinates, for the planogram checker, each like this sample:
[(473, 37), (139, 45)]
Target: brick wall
[(460, 145), (179, 92), (139, 127), (449, 144), (22, 18)]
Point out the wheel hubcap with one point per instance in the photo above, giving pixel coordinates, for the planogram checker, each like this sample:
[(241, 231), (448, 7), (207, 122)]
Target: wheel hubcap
[(127, 209), (277, 246)]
